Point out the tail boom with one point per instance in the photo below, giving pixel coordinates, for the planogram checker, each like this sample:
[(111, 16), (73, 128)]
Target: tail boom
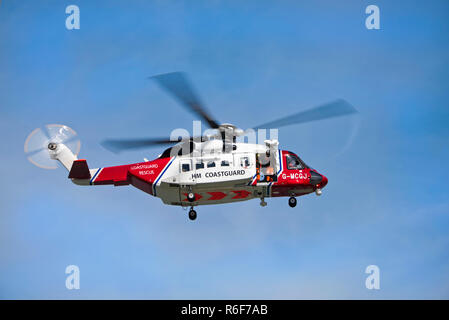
[(144, 176)]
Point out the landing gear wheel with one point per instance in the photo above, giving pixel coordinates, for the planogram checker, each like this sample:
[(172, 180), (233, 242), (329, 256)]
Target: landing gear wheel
[(191, 197), (292, 202), (192, 214)]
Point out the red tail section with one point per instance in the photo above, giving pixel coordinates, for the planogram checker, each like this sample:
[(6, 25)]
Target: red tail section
[(141, 175)]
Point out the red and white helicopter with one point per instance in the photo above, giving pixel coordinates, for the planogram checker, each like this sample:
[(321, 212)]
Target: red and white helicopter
[(202, 170)]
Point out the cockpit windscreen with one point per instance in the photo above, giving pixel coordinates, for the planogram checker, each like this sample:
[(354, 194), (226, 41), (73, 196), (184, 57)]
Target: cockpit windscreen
[(294, 162)]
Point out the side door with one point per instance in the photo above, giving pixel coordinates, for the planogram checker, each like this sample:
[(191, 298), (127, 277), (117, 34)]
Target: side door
[(186, 172), (187, 178)]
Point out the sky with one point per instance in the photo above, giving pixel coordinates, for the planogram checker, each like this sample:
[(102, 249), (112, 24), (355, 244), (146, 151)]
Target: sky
[(386, 203)]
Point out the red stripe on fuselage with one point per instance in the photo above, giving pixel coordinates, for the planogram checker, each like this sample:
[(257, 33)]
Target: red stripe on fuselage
[(241, 194), (216, 195)]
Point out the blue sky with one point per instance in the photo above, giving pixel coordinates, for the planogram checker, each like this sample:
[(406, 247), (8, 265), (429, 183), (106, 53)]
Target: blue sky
[(386, 201)]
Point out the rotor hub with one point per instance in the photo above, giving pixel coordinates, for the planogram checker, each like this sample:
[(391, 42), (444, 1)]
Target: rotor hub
[(52, 146)]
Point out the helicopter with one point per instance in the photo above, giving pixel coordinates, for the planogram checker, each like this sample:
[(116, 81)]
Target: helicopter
[(199, 170)]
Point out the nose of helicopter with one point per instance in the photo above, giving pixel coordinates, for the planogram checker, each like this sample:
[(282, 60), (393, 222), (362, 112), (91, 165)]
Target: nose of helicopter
[(323, 182), (317, 179)]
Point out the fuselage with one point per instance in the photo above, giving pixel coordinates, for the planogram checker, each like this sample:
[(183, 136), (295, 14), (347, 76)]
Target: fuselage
[(247, 171)]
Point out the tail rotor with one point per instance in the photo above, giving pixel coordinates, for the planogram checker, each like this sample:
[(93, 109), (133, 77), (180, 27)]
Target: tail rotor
[(42, 142)]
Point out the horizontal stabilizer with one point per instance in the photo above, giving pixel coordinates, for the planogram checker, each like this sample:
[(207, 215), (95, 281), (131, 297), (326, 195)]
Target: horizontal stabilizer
[(79, 170)]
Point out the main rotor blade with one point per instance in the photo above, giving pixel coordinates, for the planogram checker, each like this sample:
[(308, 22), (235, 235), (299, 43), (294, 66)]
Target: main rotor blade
[(176, 84), (332, 109), (128, 144)]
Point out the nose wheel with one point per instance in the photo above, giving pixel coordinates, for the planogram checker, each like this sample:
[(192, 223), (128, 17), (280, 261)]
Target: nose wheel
[(292, 202), (192, 214)]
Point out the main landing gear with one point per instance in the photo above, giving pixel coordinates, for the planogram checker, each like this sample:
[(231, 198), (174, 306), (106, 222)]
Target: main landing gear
[(292, 202), (191, 198), (192, 214)]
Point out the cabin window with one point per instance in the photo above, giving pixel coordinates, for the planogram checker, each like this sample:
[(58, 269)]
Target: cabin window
[(211, 164), (244, 162), (200, 165), (225, 163), (185, 167)]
